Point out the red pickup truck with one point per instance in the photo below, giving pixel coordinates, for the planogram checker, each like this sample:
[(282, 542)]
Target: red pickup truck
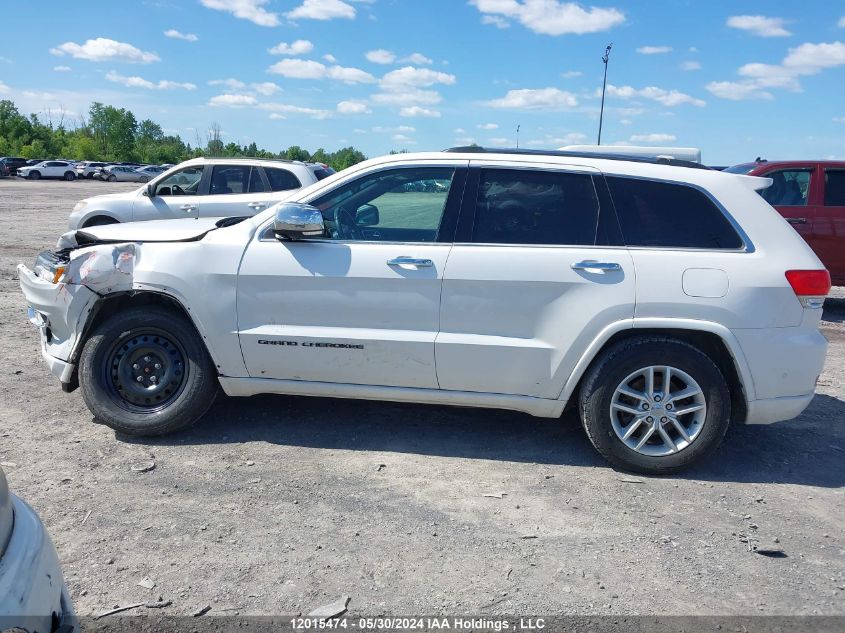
[(811, 196)]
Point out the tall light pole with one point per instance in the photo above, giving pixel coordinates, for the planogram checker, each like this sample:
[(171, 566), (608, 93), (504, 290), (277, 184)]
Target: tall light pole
[(517, 136), (605, 58)]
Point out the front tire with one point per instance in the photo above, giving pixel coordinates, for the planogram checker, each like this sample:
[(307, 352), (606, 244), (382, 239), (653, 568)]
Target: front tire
[(642, 422), (146, 372), (112, 178), (34, 175)]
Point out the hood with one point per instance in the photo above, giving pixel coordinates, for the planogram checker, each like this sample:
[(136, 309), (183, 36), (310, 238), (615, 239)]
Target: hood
[(181, 230), (6, 516)]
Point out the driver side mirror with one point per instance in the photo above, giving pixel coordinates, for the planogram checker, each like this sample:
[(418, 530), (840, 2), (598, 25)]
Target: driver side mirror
[(295, 220), (150, 191), (367, 215)]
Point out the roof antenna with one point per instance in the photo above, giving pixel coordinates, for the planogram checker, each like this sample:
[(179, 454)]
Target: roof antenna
[(517, 136)]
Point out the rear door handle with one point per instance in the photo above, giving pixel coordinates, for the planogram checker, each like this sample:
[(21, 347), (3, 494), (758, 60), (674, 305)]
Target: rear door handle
[(188, 207), (410, 261), (797, 220), (594, 265)]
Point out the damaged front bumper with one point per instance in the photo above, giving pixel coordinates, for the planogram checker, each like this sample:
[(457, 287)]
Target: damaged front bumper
[(60, 310)]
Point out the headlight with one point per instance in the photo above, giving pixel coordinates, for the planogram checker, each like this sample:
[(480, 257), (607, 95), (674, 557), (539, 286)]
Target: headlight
[(50, 267), (80, 205)]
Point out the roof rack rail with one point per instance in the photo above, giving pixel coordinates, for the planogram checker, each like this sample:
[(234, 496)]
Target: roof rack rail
[(272, 160), (663, 160)]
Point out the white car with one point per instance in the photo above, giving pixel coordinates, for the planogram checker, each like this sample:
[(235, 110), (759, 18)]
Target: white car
[(49, 169), (33, 595), (87, 168), (201, 187), (663, 301)]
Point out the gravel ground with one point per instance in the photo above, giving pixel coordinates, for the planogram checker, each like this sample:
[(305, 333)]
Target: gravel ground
[(279, 504)]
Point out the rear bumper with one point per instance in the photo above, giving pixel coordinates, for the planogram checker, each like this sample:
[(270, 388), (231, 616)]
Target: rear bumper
[(773, 410), (32, 588)]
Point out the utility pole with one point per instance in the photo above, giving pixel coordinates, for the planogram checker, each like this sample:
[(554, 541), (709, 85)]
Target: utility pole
[(517, 136), (605, 58)]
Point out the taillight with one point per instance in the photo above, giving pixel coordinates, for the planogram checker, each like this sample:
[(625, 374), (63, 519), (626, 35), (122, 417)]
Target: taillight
[(810, 286)]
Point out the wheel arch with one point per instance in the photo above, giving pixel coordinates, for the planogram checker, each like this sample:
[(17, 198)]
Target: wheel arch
[(119, 301), (96, 215), (715, 340)]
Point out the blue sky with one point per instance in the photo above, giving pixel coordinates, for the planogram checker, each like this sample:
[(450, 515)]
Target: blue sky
[(736, 80)]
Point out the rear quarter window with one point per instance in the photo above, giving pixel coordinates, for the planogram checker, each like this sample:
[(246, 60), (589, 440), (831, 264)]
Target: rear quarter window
[(281, 179), (669, 215)]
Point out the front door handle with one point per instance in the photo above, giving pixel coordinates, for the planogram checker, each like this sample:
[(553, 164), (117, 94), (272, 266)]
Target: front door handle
[(188, 207), (257, 205), (410, 261), (797, 220), (594, 265)]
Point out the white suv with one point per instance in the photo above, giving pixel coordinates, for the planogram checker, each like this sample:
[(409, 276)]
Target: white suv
[(49, 169), (663, 301), (202, 187)]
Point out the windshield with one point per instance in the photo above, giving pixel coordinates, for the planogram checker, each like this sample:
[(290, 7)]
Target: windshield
[(742, 168)]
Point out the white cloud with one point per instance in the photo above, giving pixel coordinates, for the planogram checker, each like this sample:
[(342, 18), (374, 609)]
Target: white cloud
[(419, 77), (309, 69), (279, 108), (841, 23), (232, 101), (759, 25), (353, 107), (413, 111), (569, 74), (379, 129), (61, 69), (498, 140), (266, 88), (4, 88), (806, 59), (571, 138), (549, 17), (691, 65), (401, 138), (654, 50), (653, 138), (322, 10), (668, 98), (140, 82), (406, 96), (299, 47), (535, 99), (232, 84), (417, 58), (252, 10), (276, 115), (178, 35), (487, 126), (380, 56), (496, 21), (839, 119), (330, 58), (737, 91), (103, 49)]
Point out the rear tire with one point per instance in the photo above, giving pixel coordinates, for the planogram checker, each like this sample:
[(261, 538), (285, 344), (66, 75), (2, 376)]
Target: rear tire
[(69, 175), (112, 178), (34, 175), (178, 380), (681, 430)]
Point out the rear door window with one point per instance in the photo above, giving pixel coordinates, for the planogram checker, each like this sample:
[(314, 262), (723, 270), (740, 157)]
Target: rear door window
[(669, 215), (516, 206), (281, 179), (834, 187)]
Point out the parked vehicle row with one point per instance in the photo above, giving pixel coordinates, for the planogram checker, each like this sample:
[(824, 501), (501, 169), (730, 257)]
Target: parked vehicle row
[(35, 169), (657, 299), (201, 187)]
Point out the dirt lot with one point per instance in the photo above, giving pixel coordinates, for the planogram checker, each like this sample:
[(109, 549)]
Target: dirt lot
[(277, 505)]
